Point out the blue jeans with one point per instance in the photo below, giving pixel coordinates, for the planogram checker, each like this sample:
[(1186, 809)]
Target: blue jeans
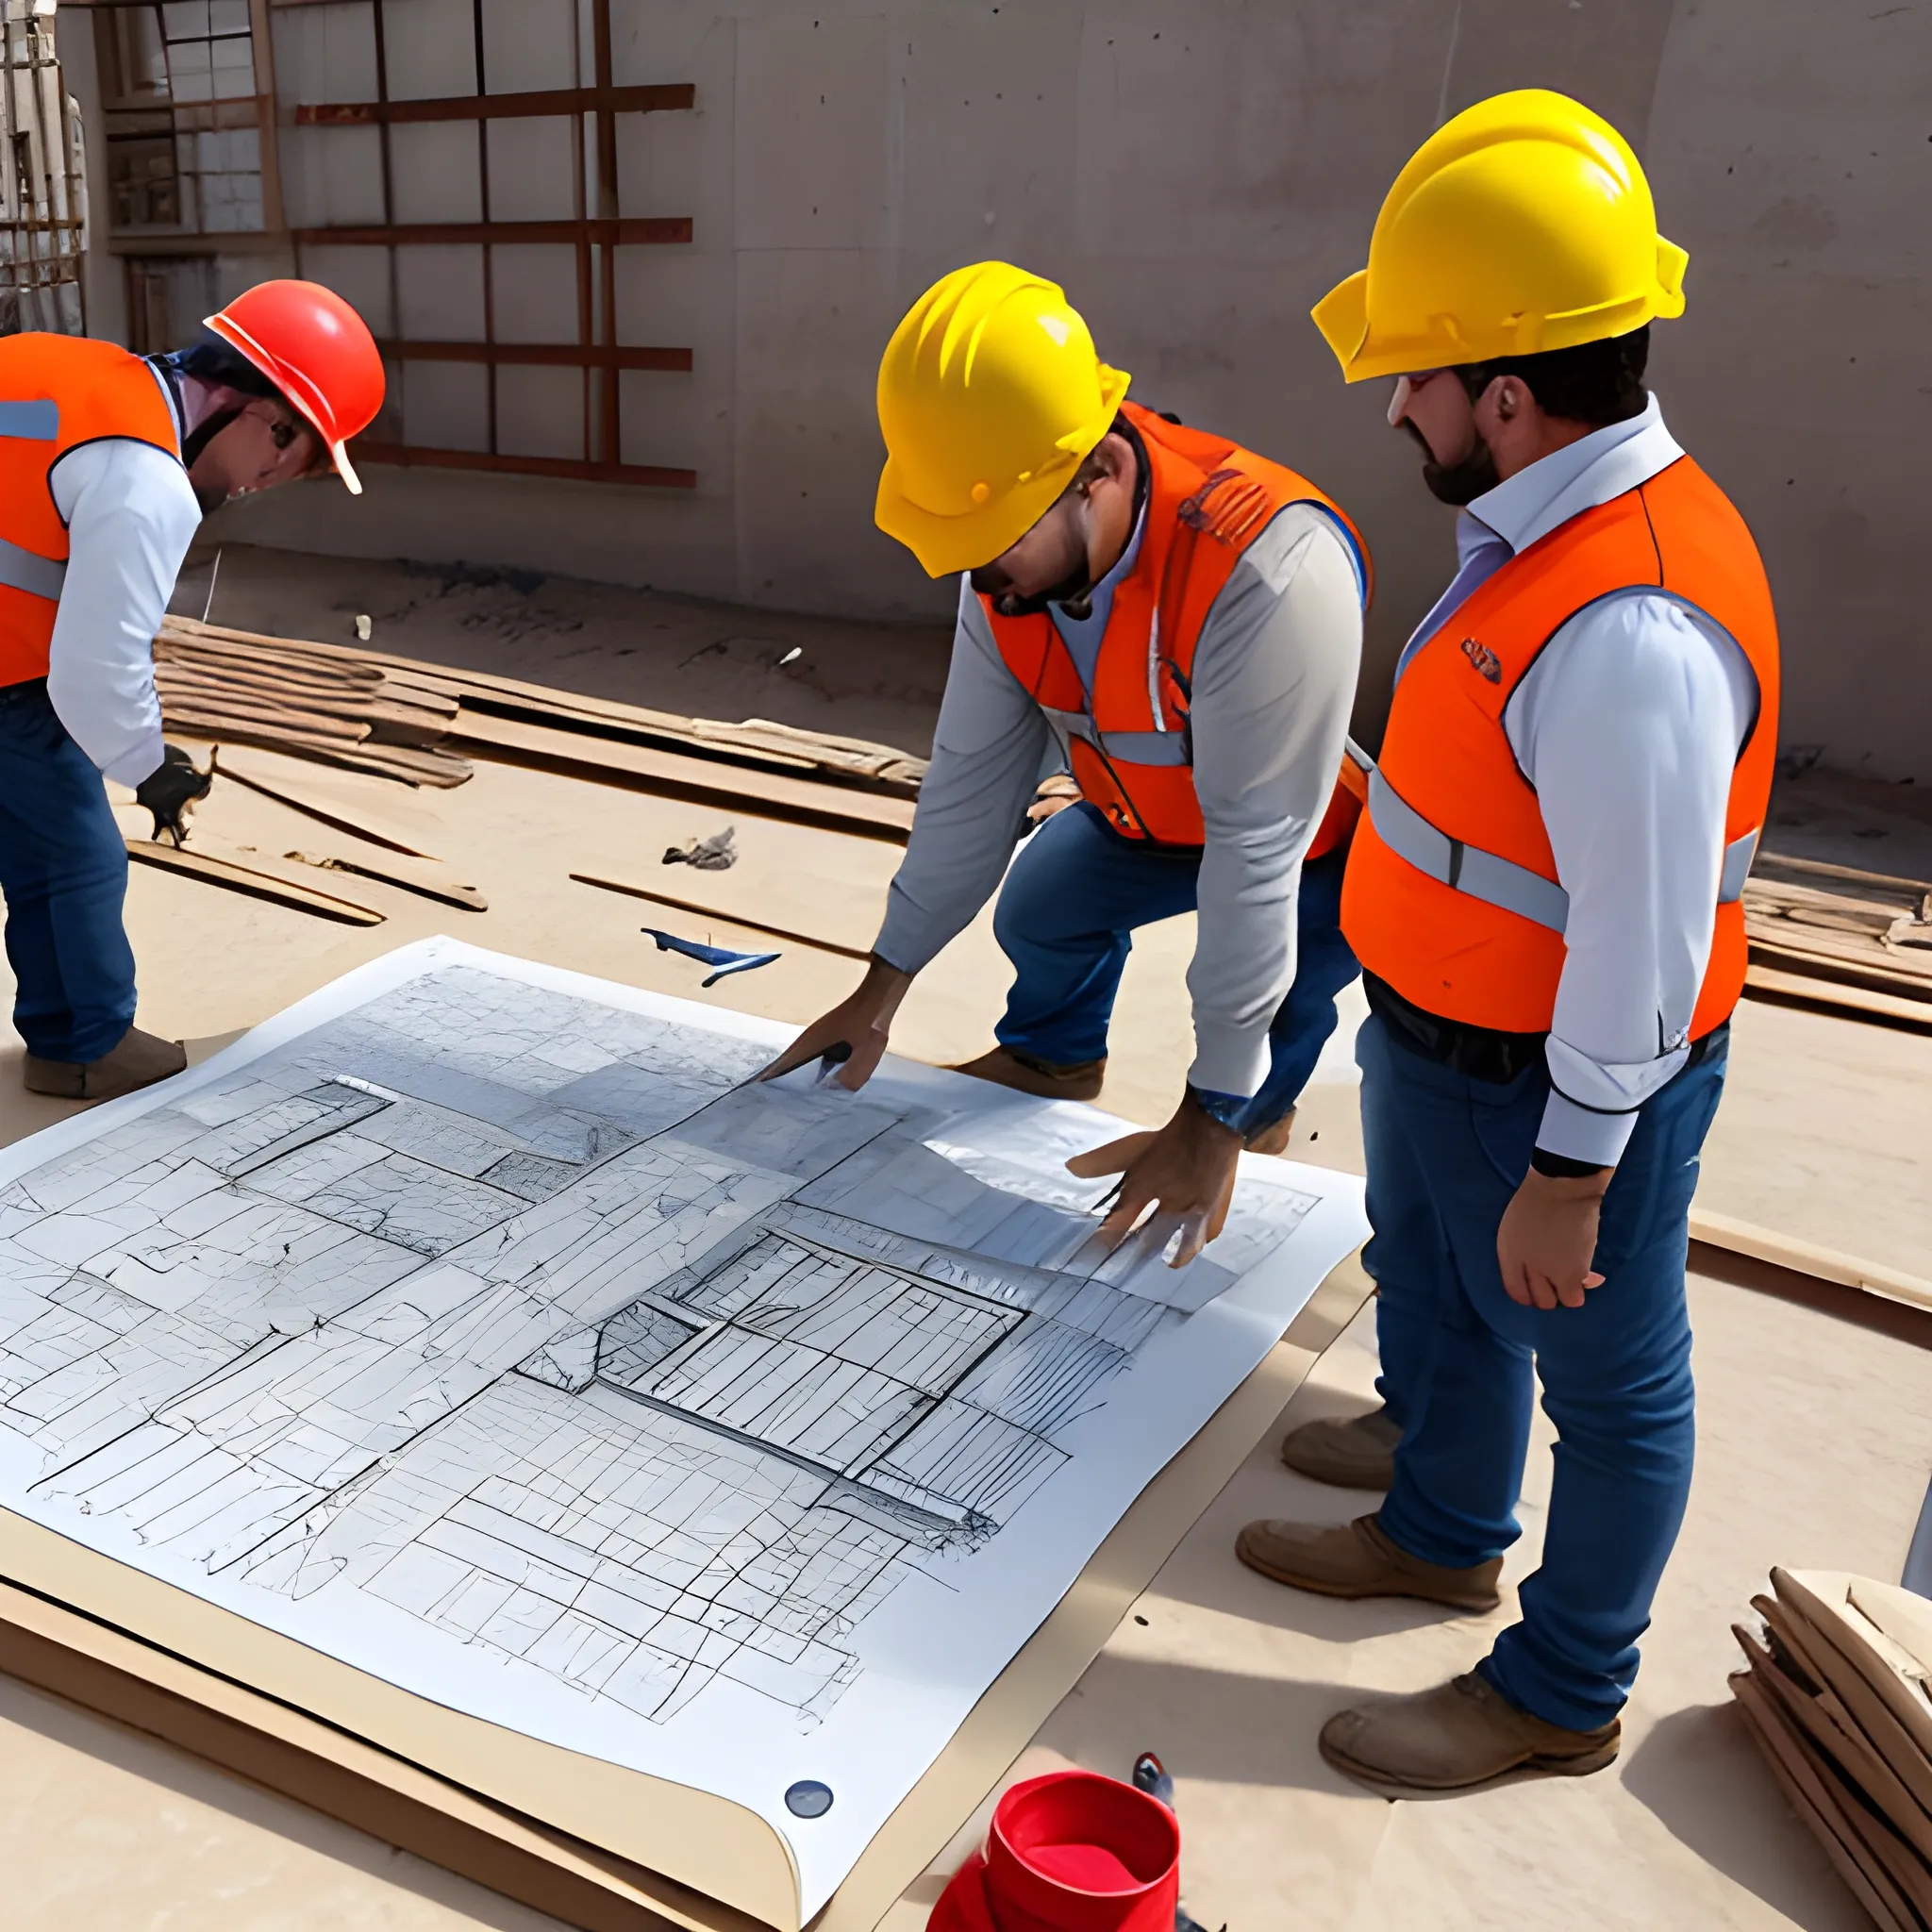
[(1445, 1154), (63, 870), (1066, 920)]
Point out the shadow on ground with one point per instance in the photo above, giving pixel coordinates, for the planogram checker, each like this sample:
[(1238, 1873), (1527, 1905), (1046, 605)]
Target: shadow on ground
[(1698, 1773)]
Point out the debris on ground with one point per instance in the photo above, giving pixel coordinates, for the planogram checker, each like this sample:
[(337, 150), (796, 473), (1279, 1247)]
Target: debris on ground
[(719, 853)]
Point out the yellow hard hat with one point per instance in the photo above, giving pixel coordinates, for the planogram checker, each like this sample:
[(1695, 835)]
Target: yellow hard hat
[(1524, 223), (990, 396)]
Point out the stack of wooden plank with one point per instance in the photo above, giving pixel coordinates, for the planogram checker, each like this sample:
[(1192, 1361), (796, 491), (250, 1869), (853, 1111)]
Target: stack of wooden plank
[(1834, 1693), (238, 688), (1837, 933), (423, 723)]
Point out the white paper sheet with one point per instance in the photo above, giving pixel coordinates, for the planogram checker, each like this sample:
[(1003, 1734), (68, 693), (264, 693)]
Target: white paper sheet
[(471, 1323)]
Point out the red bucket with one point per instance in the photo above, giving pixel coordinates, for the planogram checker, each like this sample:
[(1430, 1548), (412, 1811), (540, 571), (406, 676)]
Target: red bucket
[(1071, 1852)]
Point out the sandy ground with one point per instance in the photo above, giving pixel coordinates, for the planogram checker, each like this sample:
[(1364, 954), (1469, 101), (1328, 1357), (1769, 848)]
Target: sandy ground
[(1816, 1436)]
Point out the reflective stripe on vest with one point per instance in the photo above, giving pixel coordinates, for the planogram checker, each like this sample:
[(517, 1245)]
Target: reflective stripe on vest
[(25, 569), (1497, 881), (36, 422), (1122, 747), (39, 577)]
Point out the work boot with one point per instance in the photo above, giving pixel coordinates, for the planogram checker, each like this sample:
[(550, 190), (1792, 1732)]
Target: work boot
[(1357, 1559), (1005, 1068), (137, 1059), (1355, 1452), (1271, 1138), (1458, 1737)]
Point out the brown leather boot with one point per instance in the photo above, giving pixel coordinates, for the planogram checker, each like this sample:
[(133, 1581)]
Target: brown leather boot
[(1357, 1559), (1005, 1068), (137, 1059), (1458, 1737), (1356, 1451)]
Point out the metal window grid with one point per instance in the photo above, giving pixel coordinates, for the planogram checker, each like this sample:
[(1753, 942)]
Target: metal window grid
[(594, 231)]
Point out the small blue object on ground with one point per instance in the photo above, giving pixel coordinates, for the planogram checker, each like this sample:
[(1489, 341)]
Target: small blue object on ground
[(727, 962), (1151, 1776)]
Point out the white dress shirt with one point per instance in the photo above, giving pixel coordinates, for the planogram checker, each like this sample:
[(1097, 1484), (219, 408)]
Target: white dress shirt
[(130, 514), (1629, 726), (1274, 678)]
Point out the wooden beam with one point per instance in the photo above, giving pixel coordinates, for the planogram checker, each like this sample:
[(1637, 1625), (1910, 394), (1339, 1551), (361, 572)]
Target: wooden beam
[(255, 885), (329, 812), (858, 763), (1854, 1002), (430, 883), (630, 231), (1808, 1258), (726, 787), (557, 355), (563, 100), (1819, 868), (1841, 959)]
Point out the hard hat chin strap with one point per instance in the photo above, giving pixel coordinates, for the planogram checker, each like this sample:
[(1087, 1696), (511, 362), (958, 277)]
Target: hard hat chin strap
[(205, 433)]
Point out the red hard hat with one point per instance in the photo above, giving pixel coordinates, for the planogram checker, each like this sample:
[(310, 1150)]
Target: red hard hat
[(317, 351)]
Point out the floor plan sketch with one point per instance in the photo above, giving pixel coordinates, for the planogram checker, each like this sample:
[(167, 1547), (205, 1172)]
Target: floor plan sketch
[(517, 1315)]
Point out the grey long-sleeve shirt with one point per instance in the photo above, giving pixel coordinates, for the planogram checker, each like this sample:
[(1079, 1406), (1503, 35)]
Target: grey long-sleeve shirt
[(1273, 679)]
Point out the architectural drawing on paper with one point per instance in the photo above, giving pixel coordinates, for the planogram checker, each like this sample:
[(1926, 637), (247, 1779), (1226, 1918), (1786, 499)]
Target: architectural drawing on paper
[(515, 1312)]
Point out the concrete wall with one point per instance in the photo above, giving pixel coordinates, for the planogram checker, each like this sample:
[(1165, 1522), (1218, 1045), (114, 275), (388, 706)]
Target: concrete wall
[(1197, 171)]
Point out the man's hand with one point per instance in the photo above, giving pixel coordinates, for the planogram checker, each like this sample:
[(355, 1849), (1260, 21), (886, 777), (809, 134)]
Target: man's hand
[(169, 791), (1185, 1173), (862, 1022), (1055, 794), (1547, 1239)]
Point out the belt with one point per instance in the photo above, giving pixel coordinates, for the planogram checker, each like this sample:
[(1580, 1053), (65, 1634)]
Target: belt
[(1482, 1053), (24, 692)]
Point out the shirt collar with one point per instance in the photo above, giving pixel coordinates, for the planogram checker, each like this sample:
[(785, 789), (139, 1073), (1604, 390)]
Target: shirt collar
[(1129, 557), (1082, 634), (1581, 476)]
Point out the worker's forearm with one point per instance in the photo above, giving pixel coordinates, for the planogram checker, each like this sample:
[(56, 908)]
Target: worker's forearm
[(881, 990)]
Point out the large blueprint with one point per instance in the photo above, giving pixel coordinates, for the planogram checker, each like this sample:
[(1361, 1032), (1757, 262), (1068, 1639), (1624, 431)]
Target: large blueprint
[(474, 1323)]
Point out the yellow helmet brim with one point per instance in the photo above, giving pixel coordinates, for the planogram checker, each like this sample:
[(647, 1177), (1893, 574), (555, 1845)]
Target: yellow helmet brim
[(1342, 316), (946, 545)]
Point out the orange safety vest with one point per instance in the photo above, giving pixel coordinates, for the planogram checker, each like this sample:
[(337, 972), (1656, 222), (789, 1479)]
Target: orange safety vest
[(1452, 895), (1128, 739), (56, 393)]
